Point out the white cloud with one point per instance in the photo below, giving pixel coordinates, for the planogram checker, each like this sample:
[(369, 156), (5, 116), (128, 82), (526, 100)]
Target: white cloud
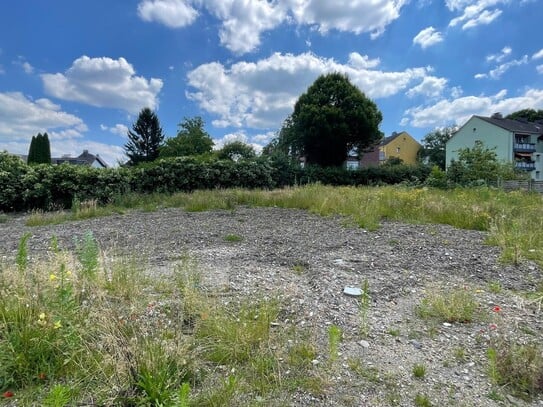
[(104, 82), (474, 12), (118, 129), (244, 21), (427, 37), (257, 142), (171, 13), (29, 69), (538, 54), (430, 86), (357, 16), (261, 94), (22, 118), (497, 72), (458, 111), (499, 57), (539, 69)]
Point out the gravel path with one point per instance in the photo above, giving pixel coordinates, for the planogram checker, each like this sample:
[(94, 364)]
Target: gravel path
[(307, 261)]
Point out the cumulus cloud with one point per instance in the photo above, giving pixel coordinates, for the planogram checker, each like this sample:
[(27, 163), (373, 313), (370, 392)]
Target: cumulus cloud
[(104, 82), (538, 54), (459, 110), (257, 142), (499, 57), (430, 86), (474, 12), (497, 72), (244, 21), (428, 37), (261, 94), (357, 16), (118, 129), (22, 118), (171, 13)]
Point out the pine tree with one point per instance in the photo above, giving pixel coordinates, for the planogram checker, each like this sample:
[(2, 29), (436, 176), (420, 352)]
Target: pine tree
[(145, 138)]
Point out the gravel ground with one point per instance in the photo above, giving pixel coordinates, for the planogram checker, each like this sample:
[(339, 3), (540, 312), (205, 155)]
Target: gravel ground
[(307, 261)]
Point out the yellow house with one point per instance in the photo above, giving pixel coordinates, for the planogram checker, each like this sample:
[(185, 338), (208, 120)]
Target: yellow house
[(399, 145)]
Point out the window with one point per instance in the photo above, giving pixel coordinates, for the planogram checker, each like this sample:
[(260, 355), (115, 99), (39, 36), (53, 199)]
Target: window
[(397, 149)]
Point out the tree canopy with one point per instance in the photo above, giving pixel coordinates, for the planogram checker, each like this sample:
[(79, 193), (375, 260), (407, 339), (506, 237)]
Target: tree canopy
[(529, 114), (191, 139), (145, 138), (433, 147), (330, 119), (236, 150), (39, 151)]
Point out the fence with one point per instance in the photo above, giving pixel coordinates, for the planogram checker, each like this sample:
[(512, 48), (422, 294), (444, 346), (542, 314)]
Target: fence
[(525, 185)]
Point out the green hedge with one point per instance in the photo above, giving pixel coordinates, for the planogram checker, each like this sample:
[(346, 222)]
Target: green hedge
[(24, 187)]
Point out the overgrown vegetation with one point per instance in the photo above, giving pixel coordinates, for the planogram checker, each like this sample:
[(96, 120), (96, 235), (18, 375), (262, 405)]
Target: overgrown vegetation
[(78, 330)]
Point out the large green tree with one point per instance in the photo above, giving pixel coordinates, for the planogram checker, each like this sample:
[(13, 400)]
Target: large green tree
[(236, 150), (39, 151), (529, 114), (145, 138), (191, 139), (433, 147), (330, 119)]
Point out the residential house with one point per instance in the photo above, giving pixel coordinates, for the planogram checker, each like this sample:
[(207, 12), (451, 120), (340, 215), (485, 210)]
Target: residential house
[(85, 158), (398, 145), (515, 141)]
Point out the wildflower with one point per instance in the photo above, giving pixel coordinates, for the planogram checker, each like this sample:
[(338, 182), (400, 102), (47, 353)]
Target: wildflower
[(41, 319), (496, 308), (493, 327), (52, 277), (42, 316), (41, 376), (7, 394), (479, 291), (68, 273), (57, 325)]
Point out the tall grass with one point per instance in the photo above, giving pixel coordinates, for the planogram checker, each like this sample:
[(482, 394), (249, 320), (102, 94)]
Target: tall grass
[(514, 220), (80, 329)]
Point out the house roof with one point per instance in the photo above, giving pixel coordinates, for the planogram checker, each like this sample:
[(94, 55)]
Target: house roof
[(514, 126), (90, 158)]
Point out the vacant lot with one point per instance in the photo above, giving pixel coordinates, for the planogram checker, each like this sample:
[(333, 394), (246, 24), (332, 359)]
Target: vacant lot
[(305, 261)]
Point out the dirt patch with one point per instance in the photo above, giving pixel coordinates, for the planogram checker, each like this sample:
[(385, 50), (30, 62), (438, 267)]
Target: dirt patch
[(307, 261)]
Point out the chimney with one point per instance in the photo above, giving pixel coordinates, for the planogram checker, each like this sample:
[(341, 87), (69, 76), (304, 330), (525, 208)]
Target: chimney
[(497, 115)]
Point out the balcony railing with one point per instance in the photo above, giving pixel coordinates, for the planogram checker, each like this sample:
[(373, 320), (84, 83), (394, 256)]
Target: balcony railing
[(525, 165), (524, 147)]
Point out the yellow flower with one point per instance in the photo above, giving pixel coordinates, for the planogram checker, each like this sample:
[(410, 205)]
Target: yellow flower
[(479, 291), (52, 277), (57, 325), (42, 315), (68, 273)]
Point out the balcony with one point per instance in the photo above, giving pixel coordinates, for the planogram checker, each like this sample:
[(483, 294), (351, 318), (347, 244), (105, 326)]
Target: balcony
[(524, 147), (525, 165)]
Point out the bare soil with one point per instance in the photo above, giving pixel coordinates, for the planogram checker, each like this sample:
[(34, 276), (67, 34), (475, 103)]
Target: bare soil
[(307, 261)]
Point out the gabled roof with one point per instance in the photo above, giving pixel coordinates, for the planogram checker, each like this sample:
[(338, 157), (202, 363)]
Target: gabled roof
[(514, 126), (90, 158)]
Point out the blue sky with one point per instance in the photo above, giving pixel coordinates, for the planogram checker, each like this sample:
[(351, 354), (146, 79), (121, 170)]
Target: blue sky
[(82, 70)]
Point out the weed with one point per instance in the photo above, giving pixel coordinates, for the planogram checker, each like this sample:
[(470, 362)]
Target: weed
[(460, 354), (59, 396), (233, 238), (394, 332), (364, 307), (422, 400), (494, 287), (369, 373), (518, 367), (88, 253), (3, 218), (419, 371), (22, 253), (457, 305), (334, 339)]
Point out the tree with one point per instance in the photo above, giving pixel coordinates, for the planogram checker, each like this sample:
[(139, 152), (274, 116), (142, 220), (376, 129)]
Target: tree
[(329, 120), (531, 115), (433, 147), (191, 139), (236, 150), (39, 151), (145, 138), (479, 164)]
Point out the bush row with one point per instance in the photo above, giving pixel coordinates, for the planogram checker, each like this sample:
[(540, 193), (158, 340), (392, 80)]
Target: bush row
[(24, 187)]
